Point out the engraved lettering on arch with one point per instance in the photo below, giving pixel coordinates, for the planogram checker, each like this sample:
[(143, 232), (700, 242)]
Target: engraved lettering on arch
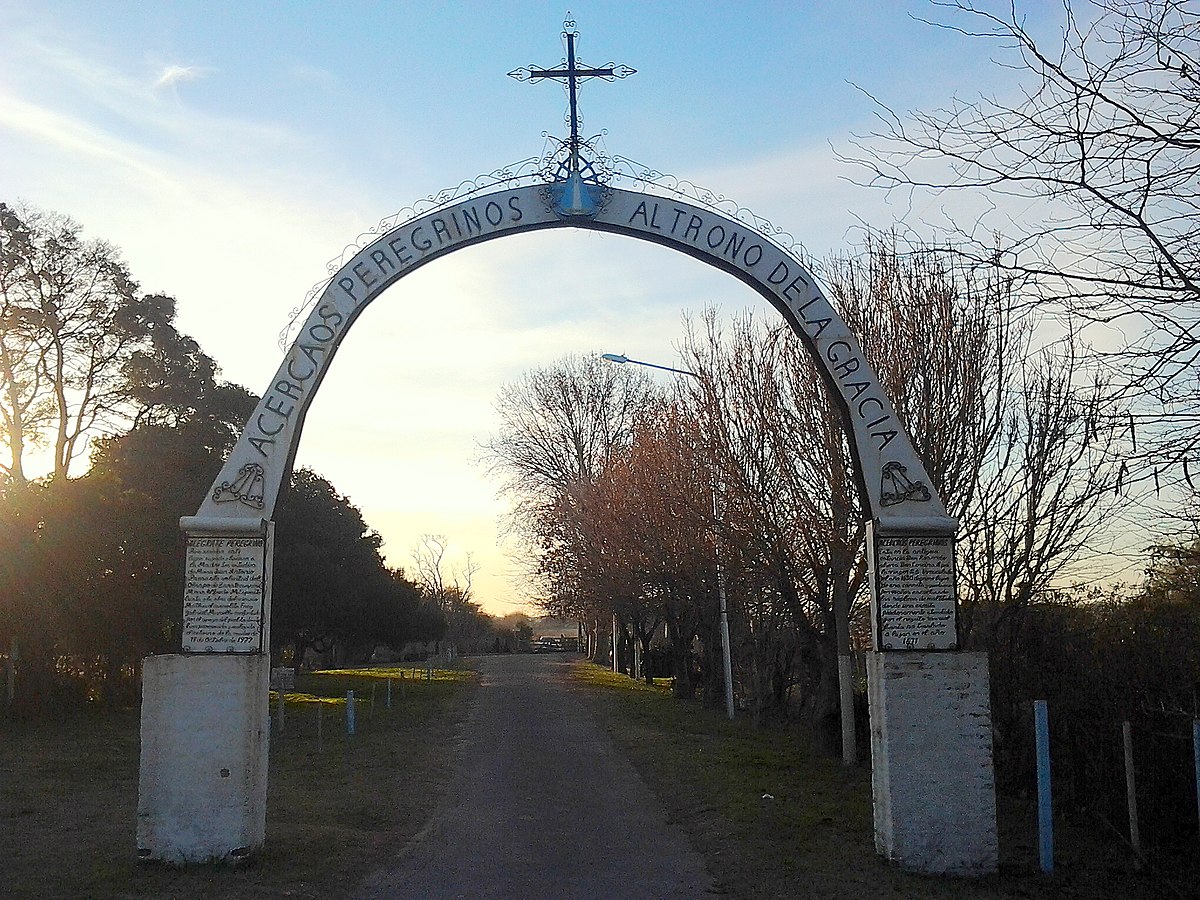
[(862, 406), (260, 443), (258, 423), (845, 365), (302, 375)]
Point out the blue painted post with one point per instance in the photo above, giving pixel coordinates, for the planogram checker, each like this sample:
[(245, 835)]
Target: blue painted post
[(1196, 759), (1045, 813), (349, 712)]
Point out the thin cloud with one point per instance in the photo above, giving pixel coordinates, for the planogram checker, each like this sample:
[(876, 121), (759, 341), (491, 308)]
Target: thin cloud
[(73, 136), (173, 75)]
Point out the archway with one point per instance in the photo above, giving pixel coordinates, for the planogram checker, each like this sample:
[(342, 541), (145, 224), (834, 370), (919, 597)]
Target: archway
[(202, 787), (895, 486), (226, 636)]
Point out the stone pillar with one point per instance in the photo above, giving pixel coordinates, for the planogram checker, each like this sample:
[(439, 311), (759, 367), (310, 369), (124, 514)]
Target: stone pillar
[(202, 785), (931, 761)]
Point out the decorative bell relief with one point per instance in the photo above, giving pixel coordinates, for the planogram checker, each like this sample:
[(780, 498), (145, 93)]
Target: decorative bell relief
[(247, 488), (895, 486)]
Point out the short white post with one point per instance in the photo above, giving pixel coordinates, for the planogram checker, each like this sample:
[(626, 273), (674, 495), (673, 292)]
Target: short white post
[(349, 712), (389, 694), (1135, 839), (320, 724)]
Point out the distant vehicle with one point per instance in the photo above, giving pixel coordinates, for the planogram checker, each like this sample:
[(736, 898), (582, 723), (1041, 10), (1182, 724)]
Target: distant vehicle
[(548, 645)]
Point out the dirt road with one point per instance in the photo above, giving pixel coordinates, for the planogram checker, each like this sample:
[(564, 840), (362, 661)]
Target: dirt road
[(542, 806)]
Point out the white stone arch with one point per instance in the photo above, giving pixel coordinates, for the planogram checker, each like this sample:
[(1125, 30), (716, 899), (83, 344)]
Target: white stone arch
[(896, 489), (202, 780)]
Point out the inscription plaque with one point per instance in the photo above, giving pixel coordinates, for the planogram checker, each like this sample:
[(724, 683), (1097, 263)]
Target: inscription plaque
[(915, 595), (223, 594)]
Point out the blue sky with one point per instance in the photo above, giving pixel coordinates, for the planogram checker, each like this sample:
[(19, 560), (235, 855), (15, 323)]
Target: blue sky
[(231, 149)]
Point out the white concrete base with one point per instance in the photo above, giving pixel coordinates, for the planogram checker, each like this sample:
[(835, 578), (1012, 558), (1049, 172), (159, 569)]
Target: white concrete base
[(931, 761), (202, 786)]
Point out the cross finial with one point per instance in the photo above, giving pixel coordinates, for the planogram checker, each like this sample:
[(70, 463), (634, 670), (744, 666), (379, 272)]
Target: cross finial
[(572, 72)]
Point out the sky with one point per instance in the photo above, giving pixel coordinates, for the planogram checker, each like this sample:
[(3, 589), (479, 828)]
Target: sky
[(232, 149)]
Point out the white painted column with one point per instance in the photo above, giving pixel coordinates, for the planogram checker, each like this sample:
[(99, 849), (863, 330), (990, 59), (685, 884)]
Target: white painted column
[(202, 785), (931, 761)]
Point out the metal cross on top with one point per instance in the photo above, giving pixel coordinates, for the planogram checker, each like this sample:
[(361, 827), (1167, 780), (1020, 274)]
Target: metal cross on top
[(572, 75)]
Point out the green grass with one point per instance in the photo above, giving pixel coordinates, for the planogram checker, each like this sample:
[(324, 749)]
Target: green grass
[(775, 818), (68, 794)]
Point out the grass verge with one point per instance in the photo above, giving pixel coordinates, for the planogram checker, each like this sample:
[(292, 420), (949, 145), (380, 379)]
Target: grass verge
[(68, 794), (774, 818)]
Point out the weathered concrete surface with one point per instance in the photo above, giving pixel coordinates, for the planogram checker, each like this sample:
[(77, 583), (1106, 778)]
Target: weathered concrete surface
[(542, 806), (931, 756), (202, 784)]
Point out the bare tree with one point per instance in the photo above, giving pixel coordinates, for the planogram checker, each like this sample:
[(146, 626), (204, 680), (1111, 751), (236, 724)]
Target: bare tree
[(429, 567), (1021, 443), (1047, 488), (448, 586), (24, 408), (648, 545), (428, 556), (1100, 127), (791, 523), (946, 340), (81, 353), (560, 426), (999, 435)]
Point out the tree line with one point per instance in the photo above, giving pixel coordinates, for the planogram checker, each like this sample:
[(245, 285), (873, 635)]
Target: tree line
[(1045, 367), (131, 421), (645, 499)]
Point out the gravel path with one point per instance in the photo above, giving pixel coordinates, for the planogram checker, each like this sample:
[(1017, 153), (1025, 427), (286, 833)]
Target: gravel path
[(541, 806)]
